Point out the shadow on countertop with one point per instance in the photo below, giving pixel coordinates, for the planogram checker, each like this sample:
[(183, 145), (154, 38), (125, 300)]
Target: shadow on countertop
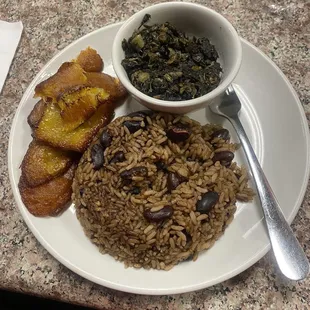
[(13, 301)]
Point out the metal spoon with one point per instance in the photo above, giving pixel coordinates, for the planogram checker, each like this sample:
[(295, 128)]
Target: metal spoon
[(290, 257)]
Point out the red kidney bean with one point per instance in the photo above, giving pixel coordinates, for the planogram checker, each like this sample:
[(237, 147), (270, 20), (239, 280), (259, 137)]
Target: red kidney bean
[(97, 156), (178, 133), (224, 157), (221, 134), (132, 126), (118, 157), (207, 202), (174, 180), (158, 216), (105, 139)]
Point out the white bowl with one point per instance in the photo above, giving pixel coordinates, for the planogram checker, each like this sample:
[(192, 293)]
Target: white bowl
[(193, 19)]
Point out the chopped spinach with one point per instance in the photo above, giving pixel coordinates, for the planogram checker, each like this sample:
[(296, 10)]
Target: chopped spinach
[(164, 63)]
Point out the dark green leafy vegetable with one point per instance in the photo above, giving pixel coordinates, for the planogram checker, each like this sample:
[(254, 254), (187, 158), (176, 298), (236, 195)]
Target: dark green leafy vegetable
[(164, 63)]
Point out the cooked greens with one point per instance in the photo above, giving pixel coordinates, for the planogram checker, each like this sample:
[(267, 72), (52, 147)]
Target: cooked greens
[(164, 63)]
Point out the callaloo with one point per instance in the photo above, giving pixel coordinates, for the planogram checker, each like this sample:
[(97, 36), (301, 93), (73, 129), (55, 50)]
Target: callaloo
[(164, 63)]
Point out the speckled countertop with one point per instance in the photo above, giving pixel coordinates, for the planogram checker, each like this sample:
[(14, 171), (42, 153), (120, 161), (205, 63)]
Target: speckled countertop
[(279, 28)]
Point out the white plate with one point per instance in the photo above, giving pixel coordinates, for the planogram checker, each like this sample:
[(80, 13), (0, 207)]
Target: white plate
[(274, 120)]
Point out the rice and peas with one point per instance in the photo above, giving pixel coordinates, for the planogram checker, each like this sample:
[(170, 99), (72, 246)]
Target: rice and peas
[(155, 189)]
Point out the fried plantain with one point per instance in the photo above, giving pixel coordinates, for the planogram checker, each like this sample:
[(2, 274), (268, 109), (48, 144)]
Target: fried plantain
[(90, 60), (68, 76), (36, 114), (79, 96), (79, 104), (54, 131), (76, 102), (50, 198), (43, 163), (110, 84)]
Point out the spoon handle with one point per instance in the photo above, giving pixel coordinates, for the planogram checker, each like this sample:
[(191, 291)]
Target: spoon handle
[(290, 256)]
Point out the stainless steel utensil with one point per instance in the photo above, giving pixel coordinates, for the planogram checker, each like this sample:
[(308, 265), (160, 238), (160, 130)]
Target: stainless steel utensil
[(290, 256)]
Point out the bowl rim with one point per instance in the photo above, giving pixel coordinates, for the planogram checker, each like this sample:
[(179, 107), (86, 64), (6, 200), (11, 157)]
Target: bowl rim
[(184, 103)]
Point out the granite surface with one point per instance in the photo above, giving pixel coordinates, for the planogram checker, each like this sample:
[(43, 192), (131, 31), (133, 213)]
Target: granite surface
[(279, 28)]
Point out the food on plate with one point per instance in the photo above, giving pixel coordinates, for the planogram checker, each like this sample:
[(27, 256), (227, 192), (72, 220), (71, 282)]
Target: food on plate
[(78, 94), (163, 62), (74, 104), (50, 198), (54, 131), (43, 163), (68, 76), (78, 104), (71, 78), (36, 114), (154, 189), (112, 85), (90, 60)]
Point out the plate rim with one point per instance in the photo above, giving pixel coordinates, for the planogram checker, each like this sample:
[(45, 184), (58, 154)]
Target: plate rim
[(126, 288)]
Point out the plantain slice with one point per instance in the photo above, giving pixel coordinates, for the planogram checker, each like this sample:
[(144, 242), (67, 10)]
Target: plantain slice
[(43, 163), (90, 60), (54, 131), (79, 93), (110, 84), (36, 114), (79, 104), (68, 76), (50, 198)]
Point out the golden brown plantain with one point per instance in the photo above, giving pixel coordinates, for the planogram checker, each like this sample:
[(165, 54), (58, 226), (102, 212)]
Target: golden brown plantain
[(69, 75), (54, 131), (79, 93), (36, 114), (110, 84), (43, 163), (90, 60), (79, 104), (50, 198)]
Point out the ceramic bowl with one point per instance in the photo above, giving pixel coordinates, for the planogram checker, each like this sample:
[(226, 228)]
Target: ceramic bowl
[(193, 19)]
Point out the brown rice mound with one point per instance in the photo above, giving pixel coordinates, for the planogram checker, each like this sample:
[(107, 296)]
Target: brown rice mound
[(112, 208)]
